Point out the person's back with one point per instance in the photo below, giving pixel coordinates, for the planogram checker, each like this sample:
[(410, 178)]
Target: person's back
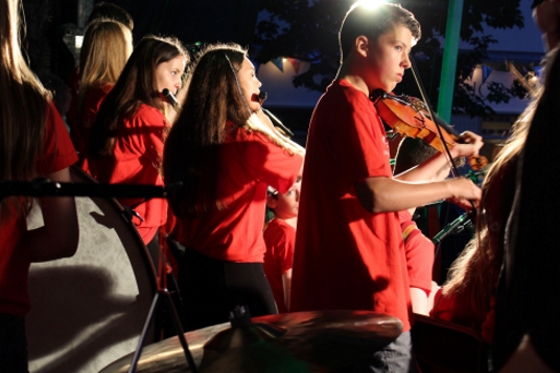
[(102, 11), (106, 48), (333, 228), (468, 296)]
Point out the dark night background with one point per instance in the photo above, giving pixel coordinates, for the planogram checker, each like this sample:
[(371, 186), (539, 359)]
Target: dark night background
[(189, 20)]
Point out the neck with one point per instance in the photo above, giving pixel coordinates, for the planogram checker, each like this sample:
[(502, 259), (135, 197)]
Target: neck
[(353, 78), (292, 222)]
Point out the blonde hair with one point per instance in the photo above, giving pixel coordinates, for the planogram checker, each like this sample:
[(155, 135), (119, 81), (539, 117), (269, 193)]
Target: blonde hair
[(105, 50), (473, 276), (22, 126)]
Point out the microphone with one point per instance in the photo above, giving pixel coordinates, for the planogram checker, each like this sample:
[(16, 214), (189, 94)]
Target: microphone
[(277, 123), (171, 99)]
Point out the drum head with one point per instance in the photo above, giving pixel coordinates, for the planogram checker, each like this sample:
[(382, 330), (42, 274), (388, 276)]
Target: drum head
[(90, 309)]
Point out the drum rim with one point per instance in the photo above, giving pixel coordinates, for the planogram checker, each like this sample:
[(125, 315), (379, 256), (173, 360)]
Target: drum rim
[(150, 266)]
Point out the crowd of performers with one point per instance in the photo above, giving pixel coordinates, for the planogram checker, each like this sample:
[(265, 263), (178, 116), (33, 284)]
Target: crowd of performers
[(341, 234)]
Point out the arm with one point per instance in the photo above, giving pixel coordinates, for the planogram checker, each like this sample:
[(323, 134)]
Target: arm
[(58, 238), (383, 194), (287, 285), (419, 300)]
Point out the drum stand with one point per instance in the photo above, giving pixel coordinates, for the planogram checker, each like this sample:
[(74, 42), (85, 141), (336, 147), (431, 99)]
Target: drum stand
[(162, 294)]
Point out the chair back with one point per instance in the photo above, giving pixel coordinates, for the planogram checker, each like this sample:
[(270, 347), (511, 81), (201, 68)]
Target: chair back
[(445, 347)]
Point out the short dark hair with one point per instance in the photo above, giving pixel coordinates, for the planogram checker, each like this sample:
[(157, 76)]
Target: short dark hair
[(111, 11), (373, 22), (410, 153)]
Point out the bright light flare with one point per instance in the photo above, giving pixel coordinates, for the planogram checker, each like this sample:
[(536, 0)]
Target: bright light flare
[(78, 41), (369, 3)]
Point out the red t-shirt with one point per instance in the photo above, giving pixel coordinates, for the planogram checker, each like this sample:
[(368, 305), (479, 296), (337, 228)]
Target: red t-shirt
[(444, 309), (345, 256), (92, 103), (280, 239), (419, 251), (14, 259), (136, 159), (249, 162)]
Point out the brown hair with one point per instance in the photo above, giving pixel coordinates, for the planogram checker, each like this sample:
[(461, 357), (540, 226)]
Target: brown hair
[(136, 85), (373, 22), (191, 150), (105, 50), (473, 276), (111, 11), (22, 126)]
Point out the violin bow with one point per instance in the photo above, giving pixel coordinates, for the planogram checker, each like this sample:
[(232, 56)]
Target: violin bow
[(520, 78), (438, 126)]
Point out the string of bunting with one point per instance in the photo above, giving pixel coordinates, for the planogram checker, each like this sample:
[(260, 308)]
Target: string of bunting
[(279, 63)]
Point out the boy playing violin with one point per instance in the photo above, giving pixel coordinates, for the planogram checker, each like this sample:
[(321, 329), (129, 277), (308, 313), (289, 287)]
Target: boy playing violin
[(349, 248)]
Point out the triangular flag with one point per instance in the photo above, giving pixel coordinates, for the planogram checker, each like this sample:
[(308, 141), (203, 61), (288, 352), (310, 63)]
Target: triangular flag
[(539, 70), (295, 63), (486, 71), (278, 63)]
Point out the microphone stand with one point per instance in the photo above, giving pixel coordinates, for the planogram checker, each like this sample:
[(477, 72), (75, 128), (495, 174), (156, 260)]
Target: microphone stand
[(278, 123), (43, 187), (456, 226), (275, 121)]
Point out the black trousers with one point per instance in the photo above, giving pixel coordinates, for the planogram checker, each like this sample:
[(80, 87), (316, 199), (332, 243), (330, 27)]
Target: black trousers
[(13, 344), (212, 288)]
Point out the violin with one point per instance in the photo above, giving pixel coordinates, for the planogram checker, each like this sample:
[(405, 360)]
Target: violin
[(409, 116)]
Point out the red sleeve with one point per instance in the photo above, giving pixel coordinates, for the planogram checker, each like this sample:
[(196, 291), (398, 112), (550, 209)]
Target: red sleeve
[(59, 150), (419, 252), (285, 249), (443, 306), (489, 323), (268, 162), (144, 132)]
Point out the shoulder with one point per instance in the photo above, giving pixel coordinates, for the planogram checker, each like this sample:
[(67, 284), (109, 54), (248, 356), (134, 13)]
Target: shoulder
[(279, 227), (146, 115)]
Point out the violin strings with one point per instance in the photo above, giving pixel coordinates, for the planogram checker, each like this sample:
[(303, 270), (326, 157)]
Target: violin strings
[(416, 75)]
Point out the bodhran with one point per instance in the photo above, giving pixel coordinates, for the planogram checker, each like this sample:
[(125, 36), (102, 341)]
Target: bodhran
[(90, 309)]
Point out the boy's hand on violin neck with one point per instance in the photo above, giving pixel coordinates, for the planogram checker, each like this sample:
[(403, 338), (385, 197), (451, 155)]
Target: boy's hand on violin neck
[(470, 147)]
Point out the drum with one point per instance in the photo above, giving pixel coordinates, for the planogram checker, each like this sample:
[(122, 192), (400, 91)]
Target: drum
[(90, 309)]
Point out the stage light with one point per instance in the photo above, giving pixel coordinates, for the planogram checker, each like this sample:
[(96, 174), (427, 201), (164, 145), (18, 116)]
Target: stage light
[(369, 3), (78, 41)]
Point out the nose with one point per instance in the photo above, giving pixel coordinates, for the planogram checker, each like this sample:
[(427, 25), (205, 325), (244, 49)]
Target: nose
[(406, 61)]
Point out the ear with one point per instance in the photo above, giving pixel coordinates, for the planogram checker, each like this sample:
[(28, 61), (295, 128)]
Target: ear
[(362, 45), (271, 202)]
